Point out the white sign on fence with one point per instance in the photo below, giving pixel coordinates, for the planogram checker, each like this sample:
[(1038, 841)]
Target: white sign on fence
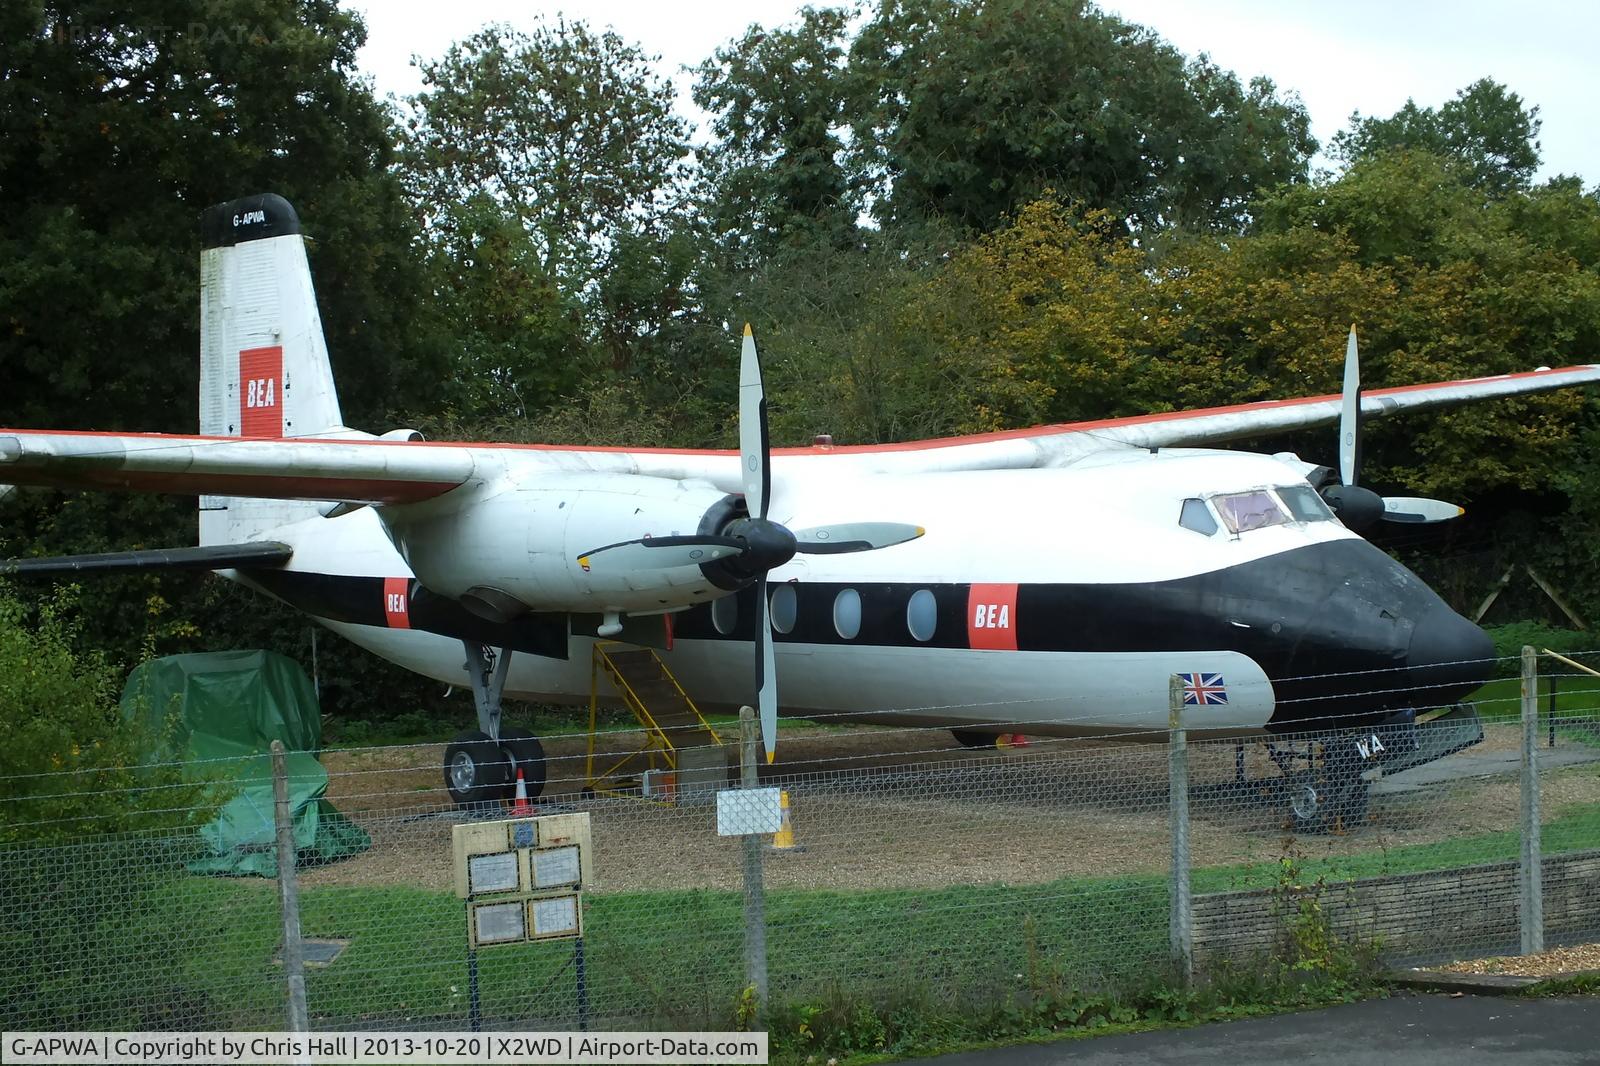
[(748, 811)]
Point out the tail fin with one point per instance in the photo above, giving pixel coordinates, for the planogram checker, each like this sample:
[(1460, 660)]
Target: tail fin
[(264, 368)]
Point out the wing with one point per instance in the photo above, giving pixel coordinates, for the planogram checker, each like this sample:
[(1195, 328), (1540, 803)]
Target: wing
[(299, 469), (394, 472), (1061, 444)]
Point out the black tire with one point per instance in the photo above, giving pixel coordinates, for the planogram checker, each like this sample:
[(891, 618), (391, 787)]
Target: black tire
[(1331, 800), (527, 755), (476, 771), (974, 738)]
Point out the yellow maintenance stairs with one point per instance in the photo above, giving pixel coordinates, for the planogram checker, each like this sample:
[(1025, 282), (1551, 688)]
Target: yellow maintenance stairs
[(677, 739)]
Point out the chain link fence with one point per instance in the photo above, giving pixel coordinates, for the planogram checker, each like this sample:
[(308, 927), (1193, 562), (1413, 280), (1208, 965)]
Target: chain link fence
[(912, 871)]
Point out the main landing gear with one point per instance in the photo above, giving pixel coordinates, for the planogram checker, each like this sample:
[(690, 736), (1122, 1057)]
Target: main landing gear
[(480, 766)]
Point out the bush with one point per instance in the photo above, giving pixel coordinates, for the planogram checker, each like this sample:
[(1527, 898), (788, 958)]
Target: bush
[(1510, 638), (71, 765)]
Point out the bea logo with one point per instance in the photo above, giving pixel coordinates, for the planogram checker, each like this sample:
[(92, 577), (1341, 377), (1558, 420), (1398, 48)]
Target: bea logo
[(260, 392), (261, 385), (395, 610), (991, 616)]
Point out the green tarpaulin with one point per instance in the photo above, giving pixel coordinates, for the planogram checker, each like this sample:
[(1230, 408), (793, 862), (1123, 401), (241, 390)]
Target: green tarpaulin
[(221, 711)]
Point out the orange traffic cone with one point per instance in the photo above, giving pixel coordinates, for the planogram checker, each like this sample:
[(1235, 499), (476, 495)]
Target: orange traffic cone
[(520, 807)]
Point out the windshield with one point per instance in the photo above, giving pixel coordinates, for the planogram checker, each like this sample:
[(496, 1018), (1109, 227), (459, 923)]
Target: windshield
[(1305, 504), (1244, 511)]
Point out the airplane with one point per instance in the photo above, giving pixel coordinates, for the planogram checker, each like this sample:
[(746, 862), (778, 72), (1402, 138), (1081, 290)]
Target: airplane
[(1050, 580)]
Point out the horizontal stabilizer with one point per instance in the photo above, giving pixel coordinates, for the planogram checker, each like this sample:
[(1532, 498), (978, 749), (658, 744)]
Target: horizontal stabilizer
[(208, 557)]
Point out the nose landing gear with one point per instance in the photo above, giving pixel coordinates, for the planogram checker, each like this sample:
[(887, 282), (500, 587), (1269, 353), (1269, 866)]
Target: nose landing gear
[(1326, 785)]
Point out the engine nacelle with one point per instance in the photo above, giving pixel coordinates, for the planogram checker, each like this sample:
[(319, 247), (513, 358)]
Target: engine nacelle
[(509, 549)]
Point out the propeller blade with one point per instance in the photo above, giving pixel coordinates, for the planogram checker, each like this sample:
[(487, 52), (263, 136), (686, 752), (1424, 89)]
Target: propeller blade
[(766, 675), (1350, 414), (660, 553), (853, 537), (755, 451), (1416, 509)]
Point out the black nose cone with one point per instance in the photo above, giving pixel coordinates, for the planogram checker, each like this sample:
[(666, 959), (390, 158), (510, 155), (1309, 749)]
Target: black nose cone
[(1448, 658)]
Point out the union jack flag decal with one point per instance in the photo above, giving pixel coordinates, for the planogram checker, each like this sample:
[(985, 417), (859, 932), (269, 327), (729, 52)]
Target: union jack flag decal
[(1203, 689)]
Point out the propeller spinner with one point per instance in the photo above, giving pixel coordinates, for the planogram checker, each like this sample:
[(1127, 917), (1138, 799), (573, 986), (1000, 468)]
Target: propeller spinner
[(755, 543)]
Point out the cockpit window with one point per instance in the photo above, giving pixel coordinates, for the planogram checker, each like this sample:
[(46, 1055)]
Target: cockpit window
[(1305, 504), (1244, 511), (1197, 516)]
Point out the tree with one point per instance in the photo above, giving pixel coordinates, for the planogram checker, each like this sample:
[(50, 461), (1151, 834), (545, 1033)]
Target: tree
[(568, 132), (119, 124), (1486, 130), (118, 129), (977, 106), (780, 103)]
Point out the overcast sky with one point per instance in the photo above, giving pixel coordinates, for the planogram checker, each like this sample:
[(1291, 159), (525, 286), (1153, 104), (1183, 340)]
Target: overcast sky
[(1339, 55)]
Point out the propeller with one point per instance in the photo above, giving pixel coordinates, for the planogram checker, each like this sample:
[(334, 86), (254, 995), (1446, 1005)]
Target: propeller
[(753, 544), (1358, 507)]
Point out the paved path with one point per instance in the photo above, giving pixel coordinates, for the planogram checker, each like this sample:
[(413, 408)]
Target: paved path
[(1481, 764), (1416, 1030)]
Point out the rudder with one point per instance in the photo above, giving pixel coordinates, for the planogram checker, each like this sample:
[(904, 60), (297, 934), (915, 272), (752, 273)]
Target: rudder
[(264, 369)]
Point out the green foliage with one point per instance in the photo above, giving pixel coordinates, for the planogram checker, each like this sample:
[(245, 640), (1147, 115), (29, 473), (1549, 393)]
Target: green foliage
[(1485, 130), (1510, 638), (1313, 950), (971, 109), (566, 131), (780, 99), (121, 123), (71, 765)]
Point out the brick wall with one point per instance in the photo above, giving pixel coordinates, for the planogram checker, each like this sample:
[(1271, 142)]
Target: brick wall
[(1416, 917)]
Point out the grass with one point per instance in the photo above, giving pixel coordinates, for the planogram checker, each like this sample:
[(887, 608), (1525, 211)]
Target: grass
[(1575, 696), (197, 952)]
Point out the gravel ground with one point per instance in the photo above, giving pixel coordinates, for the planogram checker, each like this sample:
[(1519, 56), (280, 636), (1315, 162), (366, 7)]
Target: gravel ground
[(942, 816), (1552, 963)]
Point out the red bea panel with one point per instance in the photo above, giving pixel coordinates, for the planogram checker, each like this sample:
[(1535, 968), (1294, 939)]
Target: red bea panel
[(261, 392), (992, 617), (396, 602)]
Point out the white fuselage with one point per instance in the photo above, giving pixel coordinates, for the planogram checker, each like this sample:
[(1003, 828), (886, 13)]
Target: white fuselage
[(1111, 522)]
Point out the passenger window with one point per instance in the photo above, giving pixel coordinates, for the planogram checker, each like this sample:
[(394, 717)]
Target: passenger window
[(784, 608), (847, 614), (922, 614), (1305, 503), (1243, 511), (725, 614), (1197, 516)]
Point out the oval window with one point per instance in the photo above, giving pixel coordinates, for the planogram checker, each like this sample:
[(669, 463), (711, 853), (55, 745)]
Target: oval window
[(922, 614), (784, 608), (847, 613), (725, 614)]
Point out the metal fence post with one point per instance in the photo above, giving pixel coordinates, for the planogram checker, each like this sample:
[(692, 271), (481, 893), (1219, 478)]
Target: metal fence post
[(1180, 924), (1531, 911), (755, 894), (294, 969)]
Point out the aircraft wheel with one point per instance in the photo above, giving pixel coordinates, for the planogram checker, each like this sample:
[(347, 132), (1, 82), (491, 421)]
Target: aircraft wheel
[(1327, 802), (476, 771), (974, 738), (527, 755), (1305, 804)]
